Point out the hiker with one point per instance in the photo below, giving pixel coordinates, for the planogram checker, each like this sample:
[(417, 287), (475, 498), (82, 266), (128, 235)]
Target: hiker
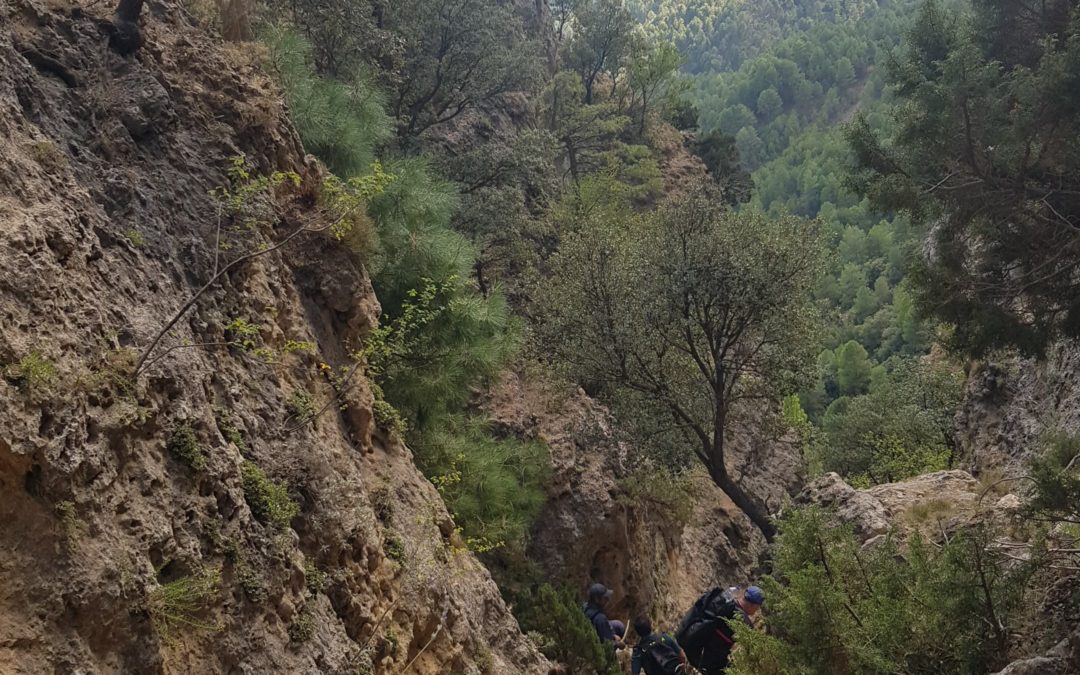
[(595, 610), (705, 633), (655, 653)]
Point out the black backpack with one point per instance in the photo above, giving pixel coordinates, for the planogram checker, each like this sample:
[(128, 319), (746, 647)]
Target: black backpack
[(659, 657), (705, 623)]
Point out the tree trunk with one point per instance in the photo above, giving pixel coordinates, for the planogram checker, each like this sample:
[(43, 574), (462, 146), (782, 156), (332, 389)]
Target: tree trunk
[(746, 504)]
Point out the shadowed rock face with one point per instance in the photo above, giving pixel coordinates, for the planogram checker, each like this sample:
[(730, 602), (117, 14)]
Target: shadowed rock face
[(590, 530), (107, 226), (1009, 404)]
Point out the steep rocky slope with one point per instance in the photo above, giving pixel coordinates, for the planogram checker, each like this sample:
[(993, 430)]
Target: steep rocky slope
[(1009, 403), (597, 527), (107, 226)]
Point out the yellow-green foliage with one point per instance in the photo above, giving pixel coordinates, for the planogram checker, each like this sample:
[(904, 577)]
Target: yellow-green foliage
[(314, 578), (69, 522), (136, 238), (300, 406), (386, 415), (246, 187), (184, 445), (33, 374), (268, 500), (393, 547), (930, 510), (303, 626), (178, 605), (47, 155), (651, 486)]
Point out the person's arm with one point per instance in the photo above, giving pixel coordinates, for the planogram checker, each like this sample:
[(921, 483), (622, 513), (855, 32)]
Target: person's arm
[(603, 629)]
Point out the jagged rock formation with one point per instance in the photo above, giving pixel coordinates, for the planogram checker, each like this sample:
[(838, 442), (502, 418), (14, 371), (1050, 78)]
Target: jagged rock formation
[(106, 226), (1009, 404), (592, 530)]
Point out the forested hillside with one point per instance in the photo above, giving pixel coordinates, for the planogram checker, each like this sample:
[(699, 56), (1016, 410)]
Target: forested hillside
[(779, 81), (362, 336)]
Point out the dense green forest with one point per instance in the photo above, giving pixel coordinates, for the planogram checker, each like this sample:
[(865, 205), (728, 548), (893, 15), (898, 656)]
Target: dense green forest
[(781, 81)]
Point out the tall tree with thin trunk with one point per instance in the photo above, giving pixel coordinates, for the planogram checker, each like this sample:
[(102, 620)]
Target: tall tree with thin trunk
[(682, 315)]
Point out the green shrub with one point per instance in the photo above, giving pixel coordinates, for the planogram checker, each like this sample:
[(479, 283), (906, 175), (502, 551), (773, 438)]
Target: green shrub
[(394, 547), (901, 428), (562, 631), (268, 500), (1056, 476), (343, 124), (33, 374), (439, 338), (835, 607), (70, 524), (314, 578), (184, 446), (653, 486), (48, 155), (382, 501), (136, 238), (494, 488), (386, 415), (303, 626), (300, 406), (178, 605), (252, 582), (229, 430)]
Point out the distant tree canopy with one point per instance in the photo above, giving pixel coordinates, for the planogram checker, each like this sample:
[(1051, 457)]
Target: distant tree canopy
[(603, 33), (682, 313), (458, 54), (983, 151)]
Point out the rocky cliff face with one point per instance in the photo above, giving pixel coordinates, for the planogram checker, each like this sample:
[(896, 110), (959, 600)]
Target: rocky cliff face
[(1010, 403), (118, 556), (598, 526)]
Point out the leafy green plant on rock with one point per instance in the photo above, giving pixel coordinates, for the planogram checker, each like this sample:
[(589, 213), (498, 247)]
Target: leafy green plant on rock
[(268, 500), (70, 524), (314, 578), (34, 374), (184, 445), (248, 202), (300, 406), (179, 605)]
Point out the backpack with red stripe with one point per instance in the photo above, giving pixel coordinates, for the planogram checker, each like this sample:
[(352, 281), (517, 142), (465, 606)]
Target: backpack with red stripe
[(704, 625)]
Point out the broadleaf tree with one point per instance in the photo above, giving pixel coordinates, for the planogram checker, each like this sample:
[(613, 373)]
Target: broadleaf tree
[(684, 314)]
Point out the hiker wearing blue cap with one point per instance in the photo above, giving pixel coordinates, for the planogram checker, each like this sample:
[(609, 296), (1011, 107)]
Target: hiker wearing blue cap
[(706, 633), (596, 611)]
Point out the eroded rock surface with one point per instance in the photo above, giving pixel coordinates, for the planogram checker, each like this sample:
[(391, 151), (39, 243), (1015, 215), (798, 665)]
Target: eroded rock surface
[(106, 227), (591, 531)]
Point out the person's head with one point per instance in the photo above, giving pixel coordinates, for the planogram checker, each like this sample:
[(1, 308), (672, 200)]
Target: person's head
[(618, 627), (599, 594), (643, 626), (752, 600)]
